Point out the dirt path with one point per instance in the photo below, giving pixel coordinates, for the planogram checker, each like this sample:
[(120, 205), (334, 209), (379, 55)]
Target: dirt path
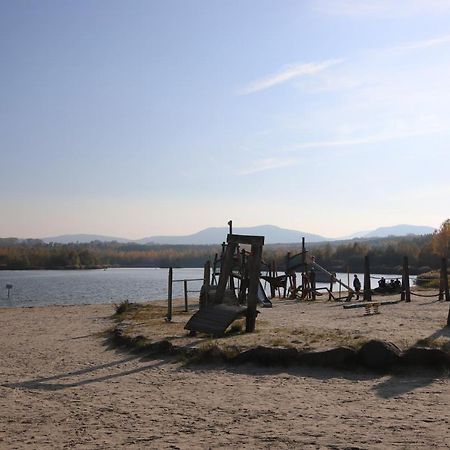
[(61, 387)]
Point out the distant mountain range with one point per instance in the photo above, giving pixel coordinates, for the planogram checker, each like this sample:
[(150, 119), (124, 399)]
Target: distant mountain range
[(272, 233), (395, 230)]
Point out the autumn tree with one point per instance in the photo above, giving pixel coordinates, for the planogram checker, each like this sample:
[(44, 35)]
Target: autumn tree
[(441, 240)]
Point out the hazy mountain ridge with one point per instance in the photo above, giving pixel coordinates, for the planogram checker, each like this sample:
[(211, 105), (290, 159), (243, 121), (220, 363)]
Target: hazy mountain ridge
[(216, 235), (400, 230), (272, 233)]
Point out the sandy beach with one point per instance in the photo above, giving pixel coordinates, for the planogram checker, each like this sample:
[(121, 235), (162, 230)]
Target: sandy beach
[(62, 386)]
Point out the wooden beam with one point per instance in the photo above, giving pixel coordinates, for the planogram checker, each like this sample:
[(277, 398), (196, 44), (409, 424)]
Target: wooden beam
[(225, 272), (245, 239), (252, 296)]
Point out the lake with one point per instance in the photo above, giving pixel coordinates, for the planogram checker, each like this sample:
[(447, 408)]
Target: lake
[(68, 287)]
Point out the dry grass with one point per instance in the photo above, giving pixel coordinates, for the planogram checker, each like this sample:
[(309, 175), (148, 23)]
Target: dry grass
[(148, 320), (302, 326)]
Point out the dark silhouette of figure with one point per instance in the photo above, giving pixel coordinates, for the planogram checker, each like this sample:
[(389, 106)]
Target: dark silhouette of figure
[(357, 286)]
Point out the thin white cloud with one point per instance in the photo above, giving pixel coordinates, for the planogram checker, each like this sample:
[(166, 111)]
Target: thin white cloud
[(426, 43), (287, 73), (362, 70), (268, 164), (372, 139), (280, 162), (381, 8)]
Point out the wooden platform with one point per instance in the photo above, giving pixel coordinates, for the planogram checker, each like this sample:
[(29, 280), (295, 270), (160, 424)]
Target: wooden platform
[(215, 319)]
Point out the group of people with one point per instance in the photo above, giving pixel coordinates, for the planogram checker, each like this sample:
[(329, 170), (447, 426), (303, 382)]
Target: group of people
[(382, 285), (393, 284)]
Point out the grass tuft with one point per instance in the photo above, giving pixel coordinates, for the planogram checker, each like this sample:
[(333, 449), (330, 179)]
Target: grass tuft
[(124, 307)]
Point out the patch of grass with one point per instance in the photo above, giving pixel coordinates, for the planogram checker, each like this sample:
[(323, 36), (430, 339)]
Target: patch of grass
[(212, 351), (439, 343), (279, 341), (312, 336), (139, 312)]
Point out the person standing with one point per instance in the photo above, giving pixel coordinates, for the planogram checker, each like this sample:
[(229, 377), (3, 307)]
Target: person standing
[(357, 286)]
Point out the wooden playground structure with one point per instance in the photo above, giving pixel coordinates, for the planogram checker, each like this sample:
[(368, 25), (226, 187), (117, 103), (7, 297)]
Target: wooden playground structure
[(233, 285)]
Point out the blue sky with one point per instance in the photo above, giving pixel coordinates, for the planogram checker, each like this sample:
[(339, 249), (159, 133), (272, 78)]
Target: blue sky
[(166, 117)]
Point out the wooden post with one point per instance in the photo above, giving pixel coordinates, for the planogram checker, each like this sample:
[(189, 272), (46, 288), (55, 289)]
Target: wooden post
[(169, 296), (230, 224), (204, 294), (367, 295), (225, 271), (252, 297), (185, 296), (444, 277), (312, 275), (406, 293)]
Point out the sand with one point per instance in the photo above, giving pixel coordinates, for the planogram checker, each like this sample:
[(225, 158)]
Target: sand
[(61, 387)]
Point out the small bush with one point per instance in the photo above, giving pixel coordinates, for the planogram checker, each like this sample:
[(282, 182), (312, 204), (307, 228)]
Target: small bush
[(123, 307)]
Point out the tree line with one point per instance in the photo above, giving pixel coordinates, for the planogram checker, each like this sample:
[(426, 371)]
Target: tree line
[(386, 254)]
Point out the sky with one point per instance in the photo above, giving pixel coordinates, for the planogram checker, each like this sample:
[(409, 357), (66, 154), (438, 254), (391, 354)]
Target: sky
[(139, 118)]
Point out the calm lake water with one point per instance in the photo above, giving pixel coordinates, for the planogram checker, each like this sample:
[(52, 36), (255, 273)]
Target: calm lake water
[(68, 287)]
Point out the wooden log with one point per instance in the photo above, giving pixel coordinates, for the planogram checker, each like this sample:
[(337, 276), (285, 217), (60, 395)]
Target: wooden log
[(367, 295)]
